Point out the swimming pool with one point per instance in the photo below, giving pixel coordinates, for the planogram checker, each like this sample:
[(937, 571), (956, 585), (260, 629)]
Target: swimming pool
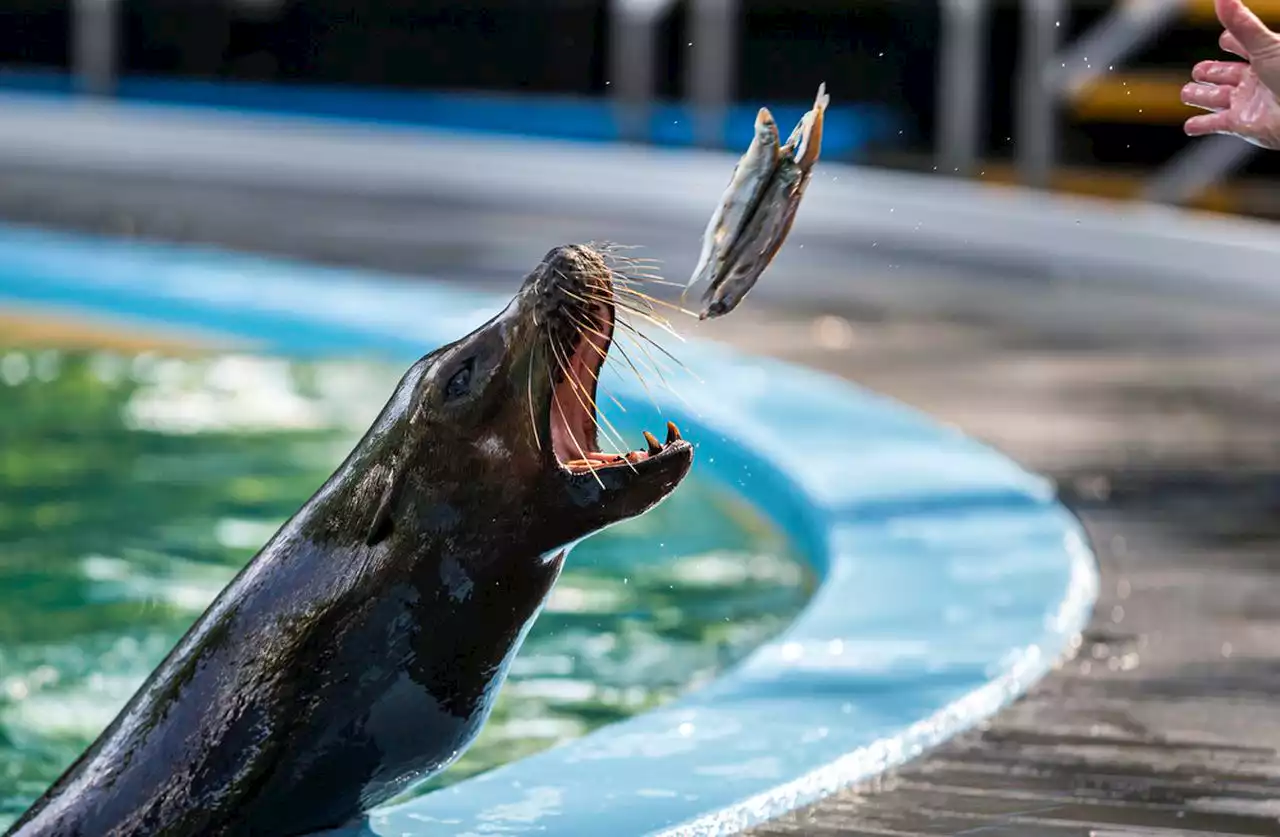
[(950, 579)]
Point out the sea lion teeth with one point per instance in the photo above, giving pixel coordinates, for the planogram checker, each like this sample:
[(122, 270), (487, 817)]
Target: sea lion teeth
[(673, 432), (654, 447)]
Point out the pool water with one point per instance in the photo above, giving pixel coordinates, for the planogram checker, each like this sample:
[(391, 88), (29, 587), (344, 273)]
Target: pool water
[(133, 487)]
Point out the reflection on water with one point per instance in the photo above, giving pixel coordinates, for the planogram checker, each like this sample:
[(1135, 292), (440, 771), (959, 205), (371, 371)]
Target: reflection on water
[(133, 487)]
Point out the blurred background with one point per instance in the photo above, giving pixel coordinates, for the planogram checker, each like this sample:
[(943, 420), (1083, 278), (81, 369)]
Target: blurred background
[(1128, 353), (1080, 96)]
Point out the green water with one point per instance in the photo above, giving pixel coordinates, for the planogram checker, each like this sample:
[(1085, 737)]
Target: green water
[(132, 488)]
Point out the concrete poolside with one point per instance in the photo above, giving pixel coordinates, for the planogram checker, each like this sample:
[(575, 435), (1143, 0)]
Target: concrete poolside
[(1166, 722)]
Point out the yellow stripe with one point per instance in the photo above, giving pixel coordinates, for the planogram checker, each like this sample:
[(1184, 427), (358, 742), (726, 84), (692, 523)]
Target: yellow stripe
[(1202, 11), (1134, 98), (1113, 184), (40, 328)]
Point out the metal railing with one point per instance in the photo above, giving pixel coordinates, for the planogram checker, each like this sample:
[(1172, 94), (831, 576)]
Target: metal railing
[(95, 45)]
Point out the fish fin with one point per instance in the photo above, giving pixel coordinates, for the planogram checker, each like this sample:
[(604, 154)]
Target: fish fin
[(811, 144), (805, 142), (382, 525)]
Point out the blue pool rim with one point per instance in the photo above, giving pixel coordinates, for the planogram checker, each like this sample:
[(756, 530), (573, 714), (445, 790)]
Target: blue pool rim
[(950, 578), (849, 129)]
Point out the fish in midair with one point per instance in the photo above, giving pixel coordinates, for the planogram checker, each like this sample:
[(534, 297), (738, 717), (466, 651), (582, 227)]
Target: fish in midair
[(746, 185), (746, 250)]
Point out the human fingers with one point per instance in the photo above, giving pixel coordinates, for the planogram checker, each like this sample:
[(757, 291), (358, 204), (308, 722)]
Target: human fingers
[(1229, 43), (1209, 123), (1219, 72), (1240, 21), (1207, 96)]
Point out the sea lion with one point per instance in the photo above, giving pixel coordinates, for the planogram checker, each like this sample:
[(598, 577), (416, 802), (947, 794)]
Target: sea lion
[(361, 650)]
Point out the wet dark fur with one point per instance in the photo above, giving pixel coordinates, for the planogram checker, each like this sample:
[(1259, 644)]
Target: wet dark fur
[(362, 648)]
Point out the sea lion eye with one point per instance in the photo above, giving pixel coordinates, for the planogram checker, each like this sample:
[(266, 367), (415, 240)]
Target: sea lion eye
[(460, 384)]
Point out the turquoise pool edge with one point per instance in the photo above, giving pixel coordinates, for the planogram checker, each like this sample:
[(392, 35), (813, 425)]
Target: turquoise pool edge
[(951, 578)]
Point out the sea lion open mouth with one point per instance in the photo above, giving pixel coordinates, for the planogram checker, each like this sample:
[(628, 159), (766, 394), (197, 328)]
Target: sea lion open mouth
[(574, 423)]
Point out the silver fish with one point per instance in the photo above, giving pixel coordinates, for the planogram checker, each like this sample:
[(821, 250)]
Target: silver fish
[(747, 184), (752, 250)]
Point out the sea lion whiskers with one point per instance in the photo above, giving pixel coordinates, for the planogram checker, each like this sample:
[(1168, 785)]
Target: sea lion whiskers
[(637, 335), (636, 371), (597, 416), (533, 421), (581, 453), (637, 302), (595, 373), (619, 321), (650, 301), (647, 314), (593, 298), (605, 288), (586, 319), (627, 306)]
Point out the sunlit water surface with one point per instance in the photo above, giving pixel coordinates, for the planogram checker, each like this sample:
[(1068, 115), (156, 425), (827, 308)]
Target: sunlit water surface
[(132, 488)]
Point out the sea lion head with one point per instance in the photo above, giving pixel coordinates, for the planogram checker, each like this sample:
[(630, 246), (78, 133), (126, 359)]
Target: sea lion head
[(506, 416)]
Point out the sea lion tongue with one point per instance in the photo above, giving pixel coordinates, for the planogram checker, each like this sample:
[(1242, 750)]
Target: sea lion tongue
[(361, 650)]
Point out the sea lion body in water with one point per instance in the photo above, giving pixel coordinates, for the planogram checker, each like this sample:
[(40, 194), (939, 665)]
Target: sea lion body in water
[(361, 650)]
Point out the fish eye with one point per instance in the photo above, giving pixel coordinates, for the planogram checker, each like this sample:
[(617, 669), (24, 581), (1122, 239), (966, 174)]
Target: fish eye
[(460, 384)]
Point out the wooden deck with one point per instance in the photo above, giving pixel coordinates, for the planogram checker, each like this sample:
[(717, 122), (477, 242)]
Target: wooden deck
[(1167, 721)]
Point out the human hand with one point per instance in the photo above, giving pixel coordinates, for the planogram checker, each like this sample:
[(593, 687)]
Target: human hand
[(1244, 97)]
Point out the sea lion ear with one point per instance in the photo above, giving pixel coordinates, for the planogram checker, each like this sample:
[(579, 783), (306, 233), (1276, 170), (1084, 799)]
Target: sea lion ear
[(382, 525)]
